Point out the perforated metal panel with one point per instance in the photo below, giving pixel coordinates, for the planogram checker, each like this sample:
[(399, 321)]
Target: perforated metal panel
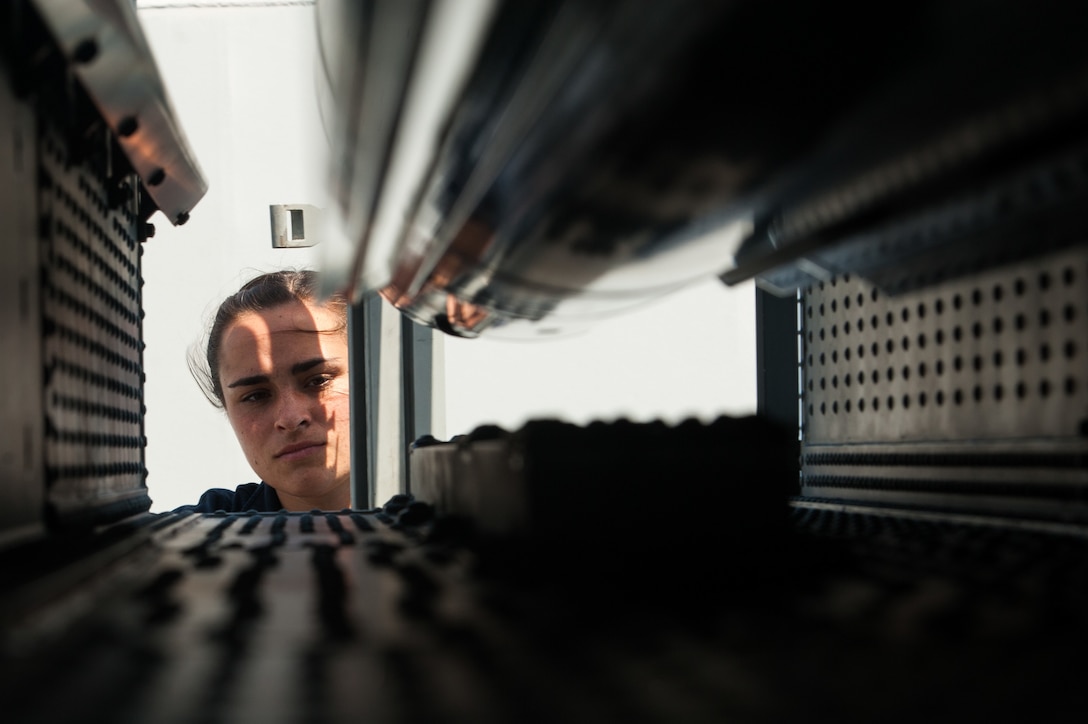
[(971, 387), (93, 339)]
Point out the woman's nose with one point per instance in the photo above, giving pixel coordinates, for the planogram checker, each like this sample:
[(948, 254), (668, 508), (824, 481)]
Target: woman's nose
[(293, 411)]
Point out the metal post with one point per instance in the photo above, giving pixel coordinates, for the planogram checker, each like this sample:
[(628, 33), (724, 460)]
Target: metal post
[(416, 358), (364, 333), (777, 382)]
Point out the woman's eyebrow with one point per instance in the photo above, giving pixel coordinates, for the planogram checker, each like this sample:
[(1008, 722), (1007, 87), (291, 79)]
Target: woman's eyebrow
[(308, 364), (296, 368), (246, 381)]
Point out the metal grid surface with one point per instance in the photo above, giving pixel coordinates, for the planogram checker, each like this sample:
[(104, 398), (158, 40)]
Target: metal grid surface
[(997, 356), (391, 617), (93, 338), (971, 394)]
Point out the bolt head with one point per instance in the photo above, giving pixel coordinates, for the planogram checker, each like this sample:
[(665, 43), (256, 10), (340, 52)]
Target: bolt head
[(86, 51), (127, 126)]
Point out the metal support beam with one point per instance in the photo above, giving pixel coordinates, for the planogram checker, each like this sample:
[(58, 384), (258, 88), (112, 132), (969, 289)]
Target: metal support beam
[(364, 332), (417, 354), (777, 383)]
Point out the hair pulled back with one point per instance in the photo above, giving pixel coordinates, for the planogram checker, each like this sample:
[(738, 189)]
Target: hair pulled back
[(266, 291)]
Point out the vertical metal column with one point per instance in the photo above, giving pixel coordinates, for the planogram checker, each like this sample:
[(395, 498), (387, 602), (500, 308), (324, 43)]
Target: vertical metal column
[(364, 335), (777, 382), (416, 378), (407, 414), (22, 491)]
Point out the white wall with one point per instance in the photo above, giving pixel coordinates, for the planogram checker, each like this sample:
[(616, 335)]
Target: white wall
[(689, 354), (242, 82)]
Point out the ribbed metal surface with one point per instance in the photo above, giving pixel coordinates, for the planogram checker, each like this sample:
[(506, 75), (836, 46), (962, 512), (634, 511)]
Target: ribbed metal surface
[(390, 617), (93, 338)]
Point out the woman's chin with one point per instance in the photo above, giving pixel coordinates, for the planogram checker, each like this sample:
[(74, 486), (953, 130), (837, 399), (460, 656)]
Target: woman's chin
[(315, 488)]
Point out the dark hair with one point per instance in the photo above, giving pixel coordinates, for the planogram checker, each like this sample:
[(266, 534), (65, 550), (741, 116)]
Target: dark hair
[(266, 291)]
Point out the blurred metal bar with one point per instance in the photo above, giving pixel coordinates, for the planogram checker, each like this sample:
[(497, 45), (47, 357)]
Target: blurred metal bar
[(21, 474), (108, 53), (364, 328), (417, 383)]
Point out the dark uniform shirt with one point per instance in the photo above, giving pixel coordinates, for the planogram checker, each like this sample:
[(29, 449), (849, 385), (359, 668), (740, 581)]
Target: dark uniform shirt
[(260, 497)]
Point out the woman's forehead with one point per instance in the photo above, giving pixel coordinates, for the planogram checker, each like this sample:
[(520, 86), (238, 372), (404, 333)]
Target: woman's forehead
[(291, 317), (280, 330)]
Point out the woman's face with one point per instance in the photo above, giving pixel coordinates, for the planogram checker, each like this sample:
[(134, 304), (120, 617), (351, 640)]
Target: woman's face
[(284, 373)]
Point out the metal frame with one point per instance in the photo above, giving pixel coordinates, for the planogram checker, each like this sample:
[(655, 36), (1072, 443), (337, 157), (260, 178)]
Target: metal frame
[(383, 432), (417, 373), (777, 383), (364, 334), (108, 52), (21, 473)]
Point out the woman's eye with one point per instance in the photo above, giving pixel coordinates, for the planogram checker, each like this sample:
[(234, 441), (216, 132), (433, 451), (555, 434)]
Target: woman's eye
[(255, 396), (320, 380)]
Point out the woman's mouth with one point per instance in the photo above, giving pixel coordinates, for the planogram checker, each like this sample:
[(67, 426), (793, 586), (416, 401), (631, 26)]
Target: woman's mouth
[(299, 451)]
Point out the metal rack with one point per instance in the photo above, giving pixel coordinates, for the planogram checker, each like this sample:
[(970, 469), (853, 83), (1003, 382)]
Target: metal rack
[(925, 557)]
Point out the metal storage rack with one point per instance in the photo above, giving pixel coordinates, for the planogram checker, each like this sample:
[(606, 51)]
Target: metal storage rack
[(920, 553)]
